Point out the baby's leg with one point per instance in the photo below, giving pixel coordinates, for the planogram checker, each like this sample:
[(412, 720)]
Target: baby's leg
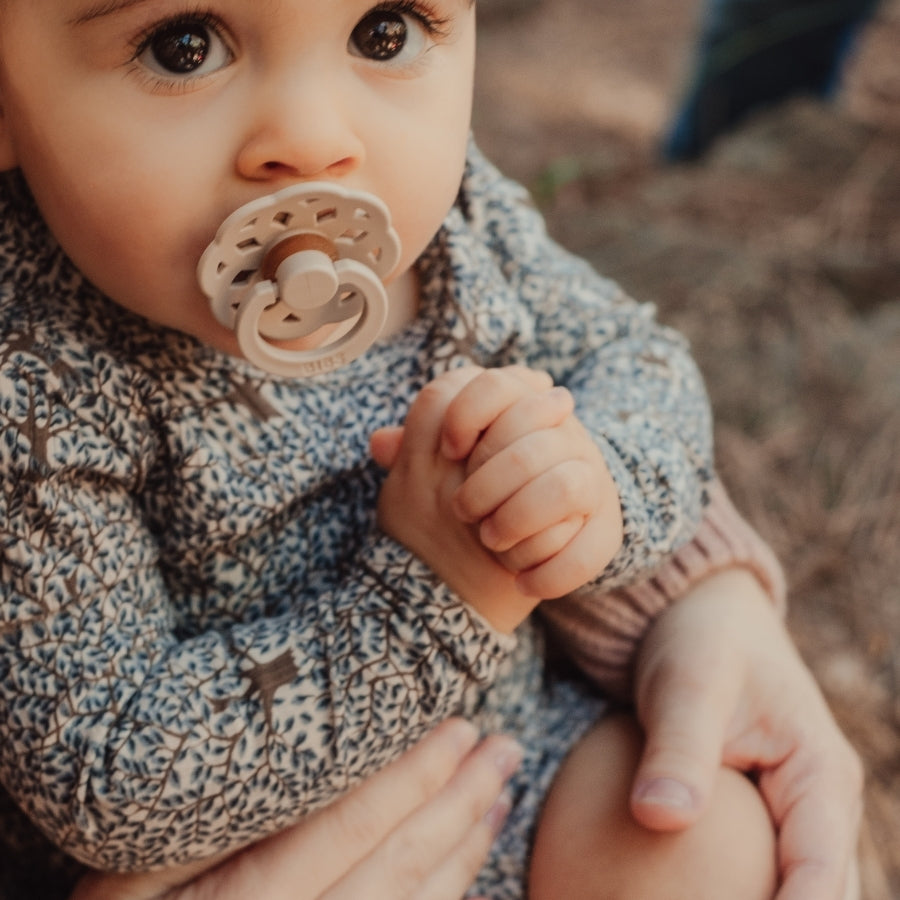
[(588, 847)]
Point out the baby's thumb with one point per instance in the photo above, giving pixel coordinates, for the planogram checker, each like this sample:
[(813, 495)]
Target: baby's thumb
[(681, 757), (384, 445)]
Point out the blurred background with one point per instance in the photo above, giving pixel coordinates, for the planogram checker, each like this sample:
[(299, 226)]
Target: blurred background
[(776, 249)]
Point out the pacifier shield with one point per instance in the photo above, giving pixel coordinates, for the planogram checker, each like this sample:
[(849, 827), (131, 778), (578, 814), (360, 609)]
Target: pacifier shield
[(285, 266)]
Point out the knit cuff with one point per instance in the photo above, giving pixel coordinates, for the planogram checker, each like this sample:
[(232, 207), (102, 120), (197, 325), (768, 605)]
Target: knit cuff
[(600, 632)]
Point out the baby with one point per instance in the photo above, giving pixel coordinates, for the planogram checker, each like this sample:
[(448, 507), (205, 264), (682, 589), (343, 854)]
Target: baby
[(218, 612)]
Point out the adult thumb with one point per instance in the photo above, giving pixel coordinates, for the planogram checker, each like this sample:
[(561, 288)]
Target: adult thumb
[(684, 719)]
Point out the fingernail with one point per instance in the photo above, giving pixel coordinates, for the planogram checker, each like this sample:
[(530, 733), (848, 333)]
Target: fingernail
[(463, 734), (448, 451), (666, 792), (488, 534), (508, 758), (496, 815)]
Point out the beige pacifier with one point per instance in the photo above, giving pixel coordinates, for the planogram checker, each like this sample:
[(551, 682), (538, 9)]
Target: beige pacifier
[(286, 265)]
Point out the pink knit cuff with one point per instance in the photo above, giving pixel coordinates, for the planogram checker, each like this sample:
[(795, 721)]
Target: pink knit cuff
[(601, 632)]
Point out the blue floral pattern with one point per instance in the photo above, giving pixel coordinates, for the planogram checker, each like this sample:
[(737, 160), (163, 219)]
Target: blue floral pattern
[(203, 633)]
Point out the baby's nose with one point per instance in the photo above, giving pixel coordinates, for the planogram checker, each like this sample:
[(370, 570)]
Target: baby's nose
[(303, 130)]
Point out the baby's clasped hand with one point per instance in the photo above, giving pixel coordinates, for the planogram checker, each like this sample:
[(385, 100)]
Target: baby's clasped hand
[(497, 486), (415, 507), (536, 486)]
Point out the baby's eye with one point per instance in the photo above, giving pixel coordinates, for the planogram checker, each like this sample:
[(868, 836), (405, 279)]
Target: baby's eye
[(385, 35), (184, 47)]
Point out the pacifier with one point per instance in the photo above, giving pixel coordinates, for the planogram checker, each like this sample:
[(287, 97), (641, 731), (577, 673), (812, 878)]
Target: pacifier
[(283, 266)]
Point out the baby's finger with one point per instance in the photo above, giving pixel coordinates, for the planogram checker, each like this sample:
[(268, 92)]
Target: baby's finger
[(506, 473), (582, 560), (422, 428), (385, 444), (408, 858), (481, 401), (564, 491), (536, 550), (532, 413)]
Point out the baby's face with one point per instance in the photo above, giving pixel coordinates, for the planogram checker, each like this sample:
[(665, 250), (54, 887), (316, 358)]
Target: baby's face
[(141, 124)]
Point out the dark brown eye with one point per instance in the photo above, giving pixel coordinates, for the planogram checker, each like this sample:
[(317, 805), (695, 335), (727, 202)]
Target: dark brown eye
[(184, 47), (380, 35), (179, 48)]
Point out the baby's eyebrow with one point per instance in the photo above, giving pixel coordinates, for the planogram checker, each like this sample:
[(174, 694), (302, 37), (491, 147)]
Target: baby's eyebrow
[(107, 8)]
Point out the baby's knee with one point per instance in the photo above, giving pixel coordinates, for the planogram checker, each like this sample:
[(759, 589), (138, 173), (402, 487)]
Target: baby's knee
[(588, 846)]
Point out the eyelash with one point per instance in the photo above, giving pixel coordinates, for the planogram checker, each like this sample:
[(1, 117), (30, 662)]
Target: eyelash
[(428, 18), (435, 26), (141, 41)]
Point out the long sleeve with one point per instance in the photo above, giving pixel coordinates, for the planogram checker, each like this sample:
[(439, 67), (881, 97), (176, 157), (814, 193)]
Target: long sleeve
[(637, 389), (600, 631), (202, 633), (132, 745)]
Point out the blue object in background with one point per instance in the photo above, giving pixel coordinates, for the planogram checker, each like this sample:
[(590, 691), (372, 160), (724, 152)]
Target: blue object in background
[(753, 53)]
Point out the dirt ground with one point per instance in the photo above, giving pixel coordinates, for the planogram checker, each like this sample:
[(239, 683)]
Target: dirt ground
[(779, 256)]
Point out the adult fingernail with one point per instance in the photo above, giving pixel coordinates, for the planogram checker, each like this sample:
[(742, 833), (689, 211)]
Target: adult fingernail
[(666, 792), (496, 815), (462, 733), (508, 757)]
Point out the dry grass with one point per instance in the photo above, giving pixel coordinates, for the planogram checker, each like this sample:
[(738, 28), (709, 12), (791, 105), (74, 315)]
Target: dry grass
[(780, 257)]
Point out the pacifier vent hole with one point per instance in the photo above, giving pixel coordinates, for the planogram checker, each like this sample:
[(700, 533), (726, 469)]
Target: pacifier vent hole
[(250, 244), (243, 277), (283, 218), (326, 215)]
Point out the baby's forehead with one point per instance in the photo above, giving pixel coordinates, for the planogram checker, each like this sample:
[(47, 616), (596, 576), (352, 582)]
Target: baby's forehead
[(82, 10)]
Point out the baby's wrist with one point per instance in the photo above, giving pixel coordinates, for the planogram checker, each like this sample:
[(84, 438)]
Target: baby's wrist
[(499, 601)]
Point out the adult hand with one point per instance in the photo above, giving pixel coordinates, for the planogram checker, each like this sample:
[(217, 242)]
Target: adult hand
[(719, 681), (418, 830)]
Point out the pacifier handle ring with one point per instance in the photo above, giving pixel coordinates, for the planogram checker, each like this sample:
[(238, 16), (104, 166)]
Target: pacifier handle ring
[(314, 361)]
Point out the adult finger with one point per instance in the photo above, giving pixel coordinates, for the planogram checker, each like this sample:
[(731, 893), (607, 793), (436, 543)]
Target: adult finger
[(326, 844), (815, 796), (406, 861), (304, 860), (685, 715), (451, 879)]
